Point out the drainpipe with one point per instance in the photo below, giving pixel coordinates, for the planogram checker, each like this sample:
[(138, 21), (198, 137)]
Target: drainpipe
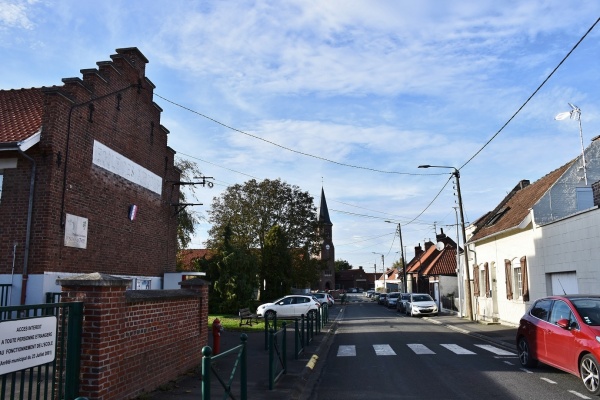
[(28, 234)]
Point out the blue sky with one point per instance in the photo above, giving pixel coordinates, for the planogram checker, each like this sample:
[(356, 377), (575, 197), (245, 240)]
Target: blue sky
[(362, 92)]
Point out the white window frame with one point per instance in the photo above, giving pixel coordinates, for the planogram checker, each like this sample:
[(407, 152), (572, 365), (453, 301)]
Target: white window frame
[(517, 282)]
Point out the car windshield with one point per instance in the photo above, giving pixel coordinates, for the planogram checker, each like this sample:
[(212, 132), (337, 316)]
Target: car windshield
[(588, 309), (422, 297)]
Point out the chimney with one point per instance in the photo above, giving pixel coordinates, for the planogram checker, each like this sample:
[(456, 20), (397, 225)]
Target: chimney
[(418, 250)]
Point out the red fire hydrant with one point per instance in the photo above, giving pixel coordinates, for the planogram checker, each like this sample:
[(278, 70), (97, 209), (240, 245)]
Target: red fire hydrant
[(216, 330)]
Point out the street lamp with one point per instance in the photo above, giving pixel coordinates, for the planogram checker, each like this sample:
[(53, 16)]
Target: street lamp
[(402, 256), (383, 269), (456, 174)]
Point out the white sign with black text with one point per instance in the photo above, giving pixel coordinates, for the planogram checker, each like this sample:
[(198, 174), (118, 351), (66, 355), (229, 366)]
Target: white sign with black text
[(26, 343)]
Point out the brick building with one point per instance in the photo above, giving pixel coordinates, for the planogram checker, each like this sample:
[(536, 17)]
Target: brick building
[(87, 181), (327, 255)]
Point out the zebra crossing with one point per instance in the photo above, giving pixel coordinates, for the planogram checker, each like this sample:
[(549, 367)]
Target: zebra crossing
[(421, 349)]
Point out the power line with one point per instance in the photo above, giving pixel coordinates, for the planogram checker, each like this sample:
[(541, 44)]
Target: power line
[(531, 96), (284, 147)]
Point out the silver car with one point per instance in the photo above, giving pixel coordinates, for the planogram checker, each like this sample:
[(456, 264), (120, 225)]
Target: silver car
[(392, 299), (420, 304)]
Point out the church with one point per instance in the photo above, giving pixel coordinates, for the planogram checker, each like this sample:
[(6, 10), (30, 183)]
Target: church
[(327, 277)]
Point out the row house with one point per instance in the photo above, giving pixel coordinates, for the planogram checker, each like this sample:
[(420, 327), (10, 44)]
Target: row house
[(541, 239), (433, 269), (87, 181)]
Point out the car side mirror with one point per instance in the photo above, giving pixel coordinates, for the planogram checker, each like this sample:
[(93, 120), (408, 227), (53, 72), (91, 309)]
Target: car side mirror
[(563, 323), (280, 303)]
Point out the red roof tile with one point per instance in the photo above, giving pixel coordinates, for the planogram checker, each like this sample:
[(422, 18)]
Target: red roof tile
[(515, 207), (187, 256), (20, 114)]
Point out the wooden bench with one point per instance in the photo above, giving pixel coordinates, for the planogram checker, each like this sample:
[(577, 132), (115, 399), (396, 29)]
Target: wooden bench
[(246, 317)]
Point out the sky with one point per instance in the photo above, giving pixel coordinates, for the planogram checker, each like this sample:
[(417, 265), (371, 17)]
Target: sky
[(346, 95)]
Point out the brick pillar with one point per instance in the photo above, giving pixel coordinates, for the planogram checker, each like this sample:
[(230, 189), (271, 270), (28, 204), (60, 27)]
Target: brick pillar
[(104, 299), (201, 286)]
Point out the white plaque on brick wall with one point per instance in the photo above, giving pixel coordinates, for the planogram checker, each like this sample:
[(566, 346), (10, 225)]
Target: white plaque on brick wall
[(76, 230), (117, 164)]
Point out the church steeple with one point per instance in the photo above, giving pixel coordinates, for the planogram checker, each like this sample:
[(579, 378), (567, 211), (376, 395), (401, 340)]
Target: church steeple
[(323, 210), (327, 279)]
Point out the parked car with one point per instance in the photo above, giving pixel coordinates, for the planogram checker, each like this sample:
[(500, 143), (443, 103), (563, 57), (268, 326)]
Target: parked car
[(369, 293), (401, 303), (381, 298), (420, 304), (391, 299), (289, 306), (324, 298), (563, 331)]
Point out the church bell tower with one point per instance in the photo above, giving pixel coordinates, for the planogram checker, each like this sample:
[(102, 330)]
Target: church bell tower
[(327, 278)]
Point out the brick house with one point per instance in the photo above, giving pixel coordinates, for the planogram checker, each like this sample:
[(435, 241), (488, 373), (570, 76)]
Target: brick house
[(86, 180)]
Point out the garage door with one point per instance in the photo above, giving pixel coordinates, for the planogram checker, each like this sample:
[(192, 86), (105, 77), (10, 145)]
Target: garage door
[(564, 283)]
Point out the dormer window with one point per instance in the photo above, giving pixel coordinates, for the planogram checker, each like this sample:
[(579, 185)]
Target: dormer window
[(497, 216)]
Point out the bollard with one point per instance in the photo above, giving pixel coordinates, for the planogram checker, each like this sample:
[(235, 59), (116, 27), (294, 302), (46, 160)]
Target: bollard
[(216, 331)]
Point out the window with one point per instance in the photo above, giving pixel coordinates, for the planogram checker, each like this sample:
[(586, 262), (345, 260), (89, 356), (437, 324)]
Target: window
[(517, 282), (327, 272), (585, 198), (560, 310), (483, 283), (541, 309)]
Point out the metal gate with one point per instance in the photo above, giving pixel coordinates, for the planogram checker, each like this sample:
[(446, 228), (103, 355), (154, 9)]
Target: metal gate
[(40, 348)]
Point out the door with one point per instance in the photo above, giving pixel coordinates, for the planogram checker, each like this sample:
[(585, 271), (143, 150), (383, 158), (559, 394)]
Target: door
[(564, 283), (559, 341)]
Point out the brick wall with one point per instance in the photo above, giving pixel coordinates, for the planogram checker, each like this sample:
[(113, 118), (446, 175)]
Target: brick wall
[(135, 341), (124, 118)]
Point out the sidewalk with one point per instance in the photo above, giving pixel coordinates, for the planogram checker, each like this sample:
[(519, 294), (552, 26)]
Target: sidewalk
[(303, 373)]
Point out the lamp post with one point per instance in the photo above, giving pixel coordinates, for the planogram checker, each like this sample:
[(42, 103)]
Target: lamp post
[(404, 284), (456, 174), (383, 269)]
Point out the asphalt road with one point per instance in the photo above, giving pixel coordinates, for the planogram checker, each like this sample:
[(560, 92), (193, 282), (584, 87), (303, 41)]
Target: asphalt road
[(377, 353)]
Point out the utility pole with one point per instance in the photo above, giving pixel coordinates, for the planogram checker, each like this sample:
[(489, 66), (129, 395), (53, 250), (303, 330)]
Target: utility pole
[(456, 174), (405, 285)]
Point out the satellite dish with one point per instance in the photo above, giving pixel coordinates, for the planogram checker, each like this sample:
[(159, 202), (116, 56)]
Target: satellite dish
[(440, 246)]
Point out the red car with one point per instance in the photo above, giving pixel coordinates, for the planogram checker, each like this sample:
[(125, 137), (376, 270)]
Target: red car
[(564, 332)]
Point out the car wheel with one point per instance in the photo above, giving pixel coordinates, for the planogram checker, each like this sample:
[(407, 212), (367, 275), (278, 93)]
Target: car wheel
[(312, 313), (270, 314), (524, 352), (588, 370)]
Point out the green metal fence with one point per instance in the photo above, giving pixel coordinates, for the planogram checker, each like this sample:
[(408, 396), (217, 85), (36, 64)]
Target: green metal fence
[(40, 347), (208, 369)]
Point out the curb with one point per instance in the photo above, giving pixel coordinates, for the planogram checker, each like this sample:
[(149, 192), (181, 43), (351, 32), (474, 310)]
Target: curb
[(308, 380)]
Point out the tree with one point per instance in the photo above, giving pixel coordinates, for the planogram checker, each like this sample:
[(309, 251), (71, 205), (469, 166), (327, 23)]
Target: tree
[(235, 274), (276, 271), (187, 218), (342, 265), (253, 209)]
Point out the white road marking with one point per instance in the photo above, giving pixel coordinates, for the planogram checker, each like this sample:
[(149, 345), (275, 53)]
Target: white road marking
[(383, 350), (346, 351), (456, 349), (548, 380), (420, 349), (495, 350), (526, 370), (508, 362), (579, 395)]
